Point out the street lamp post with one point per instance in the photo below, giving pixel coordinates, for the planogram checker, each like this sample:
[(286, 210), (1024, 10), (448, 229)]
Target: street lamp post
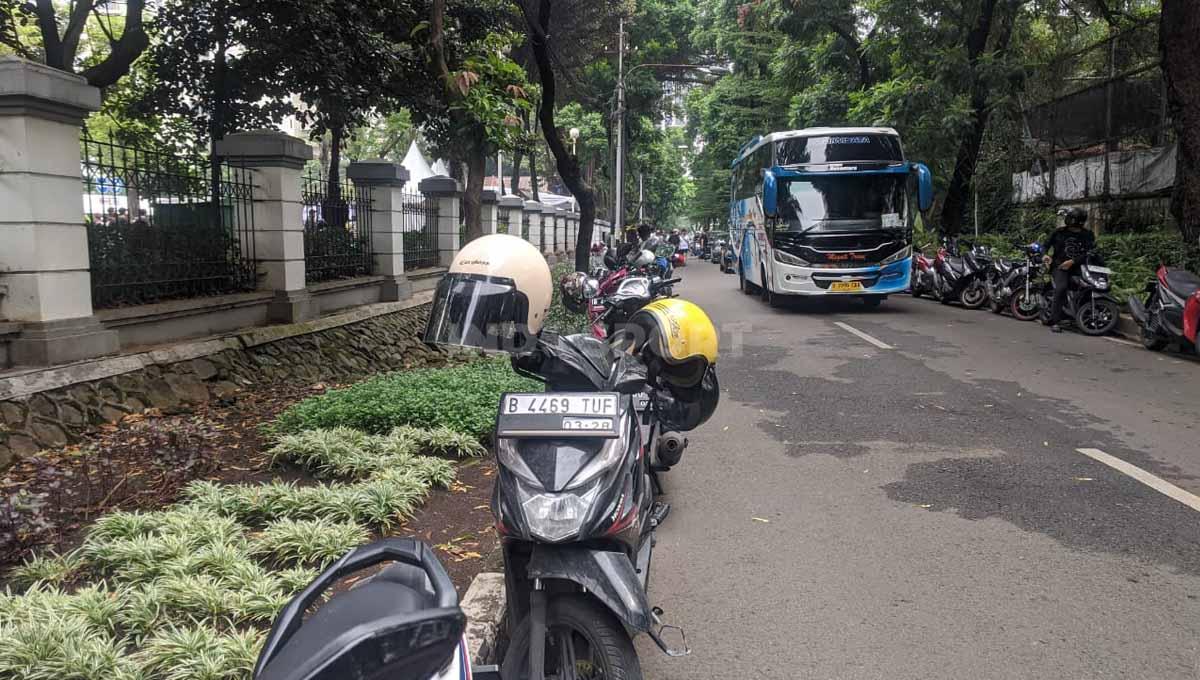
[(619, 179)]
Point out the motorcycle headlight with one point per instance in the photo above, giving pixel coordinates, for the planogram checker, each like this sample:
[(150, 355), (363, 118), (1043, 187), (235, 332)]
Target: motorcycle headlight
[(788, 258), (557, 516), (1097, 280), (902, 254)]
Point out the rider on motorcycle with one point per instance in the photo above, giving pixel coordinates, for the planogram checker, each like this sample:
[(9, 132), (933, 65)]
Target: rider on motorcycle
[(1066, 249), (636, 237)]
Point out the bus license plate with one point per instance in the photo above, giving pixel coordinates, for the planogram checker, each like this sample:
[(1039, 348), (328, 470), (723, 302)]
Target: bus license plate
[(845, 286)]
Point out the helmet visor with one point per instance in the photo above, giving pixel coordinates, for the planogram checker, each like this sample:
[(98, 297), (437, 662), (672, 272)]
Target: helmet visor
[(484, 312)]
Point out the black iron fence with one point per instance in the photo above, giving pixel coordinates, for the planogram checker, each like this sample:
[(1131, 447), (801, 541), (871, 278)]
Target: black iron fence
[(524, 225), (420, 216), (337, 230), (502, 221), (164, 226)]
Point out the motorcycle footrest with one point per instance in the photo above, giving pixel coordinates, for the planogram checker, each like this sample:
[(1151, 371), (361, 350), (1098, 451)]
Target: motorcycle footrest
[(656, 633), (659, 512)]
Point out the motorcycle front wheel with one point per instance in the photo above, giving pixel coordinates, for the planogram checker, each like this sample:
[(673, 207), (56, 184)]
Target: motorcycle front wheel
[(973, 296), (1150, 339), (1025, 307), (584, 641), (1097, 317)]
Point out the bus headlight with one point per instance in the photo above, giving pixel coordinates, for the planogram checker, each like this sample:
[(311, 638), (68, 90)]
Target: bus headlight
[(902, 254), (787, 258)]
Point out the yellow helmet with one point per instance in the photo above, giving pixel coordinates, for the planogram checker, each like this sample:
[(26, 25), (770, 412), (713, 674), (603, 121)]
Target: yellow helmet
[(680, 336)]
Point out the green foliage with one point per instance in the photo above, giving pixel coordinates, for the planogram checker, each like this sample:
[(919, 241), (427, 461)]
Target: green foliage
[(463, 398), (559, 318), (316, 542), (200, 653)]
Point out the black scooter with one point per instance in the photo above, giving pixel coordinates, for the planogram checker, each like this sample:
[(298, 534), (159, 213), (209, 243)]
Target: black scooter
[(1088, 303), (958, 278), (574, 505)]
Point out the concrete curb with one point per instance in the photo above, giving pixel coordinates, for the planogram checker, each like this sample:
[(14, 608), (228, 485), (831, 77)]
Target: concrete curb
[(1128, 328), (484, 607)]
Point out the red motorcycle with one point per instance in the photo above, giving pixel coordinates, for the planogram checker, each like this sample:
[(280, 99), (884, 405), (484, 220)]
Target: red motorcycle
[(924, 280), (1171, 311)]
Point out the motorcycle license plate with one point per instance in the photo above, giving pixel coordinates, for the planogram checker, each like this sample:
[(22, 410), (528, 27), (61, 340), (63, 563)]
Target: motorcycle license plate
[(558, 414), (845, 286)]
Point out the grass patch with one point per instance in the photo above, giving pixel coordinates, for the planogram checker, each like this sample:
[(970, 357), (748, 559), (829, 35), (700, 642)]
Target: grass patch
[(461, 398), (315, 542)]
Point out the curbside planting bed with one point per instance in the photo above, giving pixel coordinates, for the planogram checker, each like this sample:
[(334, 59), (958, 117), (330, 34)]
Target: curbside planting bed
[(187, 592)]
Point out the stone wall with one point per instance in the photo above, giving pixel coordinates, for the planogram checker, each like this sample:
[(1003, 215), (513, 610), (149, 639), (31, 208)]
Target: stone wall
[(52, 410)]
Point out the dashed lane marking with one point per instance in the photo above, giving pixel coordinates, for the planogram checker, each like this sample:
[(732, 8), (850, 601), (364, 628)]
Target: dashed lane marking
[(1157, 483), (851, 329)]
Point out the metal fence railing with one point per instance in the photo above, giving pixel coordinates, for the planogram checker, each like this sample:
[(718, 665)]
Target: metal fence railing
[(502, 221), (337, 230), (524, 225), (163, 226), (420, 231)]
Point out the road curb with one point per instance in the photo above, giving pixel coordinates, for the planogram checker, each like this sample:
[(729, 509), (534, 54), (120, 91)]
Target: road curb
[(483, 606), (1128, 328)]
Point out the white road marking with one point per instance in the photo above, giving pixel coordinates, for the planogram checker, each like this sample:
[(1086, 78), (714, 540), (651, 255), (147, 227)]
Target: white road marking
[(851, 329), (1121, 341), (1157, 483)]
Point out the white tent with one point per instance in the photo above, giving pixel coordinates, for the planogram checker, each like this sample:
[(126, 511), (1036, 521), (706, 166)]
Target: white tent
[(418, 168)]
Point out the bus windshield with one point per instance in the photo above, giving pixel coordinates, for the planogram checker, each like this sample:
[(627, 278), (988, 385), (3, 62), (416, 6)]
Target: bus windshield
[(844, 202)]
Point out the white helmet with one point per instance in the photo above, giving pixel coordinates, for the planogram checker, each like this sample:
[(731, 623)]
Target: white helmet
[(643, 259), (495, 296)]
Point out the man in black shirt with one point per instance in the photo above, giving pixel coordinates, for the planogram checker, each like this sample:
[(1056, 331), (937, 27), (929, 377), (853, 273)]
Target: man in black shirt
[(1065, 251)]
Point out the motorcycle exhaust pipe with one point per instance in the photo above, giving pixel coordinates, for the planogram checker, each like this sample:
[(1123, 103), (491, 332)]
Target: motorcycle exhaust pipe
[(670, 448)]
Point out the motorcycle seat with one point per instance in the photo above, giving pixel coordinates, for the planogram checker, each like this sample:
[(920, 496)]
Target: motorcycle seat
[(398, 589), (1182, 282), (956, 263)]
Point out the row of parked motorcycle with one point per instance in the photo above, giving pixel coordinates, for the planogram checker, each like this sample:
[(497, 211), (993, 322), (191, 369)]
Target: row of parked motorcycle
[(1168, 314), (578, 495)]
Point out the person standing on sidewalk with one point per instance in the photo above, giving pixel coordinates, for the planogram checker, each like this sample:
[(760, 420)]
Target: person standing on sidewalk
[(1066, 249)]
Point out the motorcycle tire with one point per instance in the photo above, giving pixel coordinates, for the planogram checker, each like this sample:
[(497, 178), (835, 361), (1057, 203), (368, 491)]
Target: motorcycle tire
[(1151, 340), (995, 306), (1097, 317), (581, 617), (1022, 312), (973, 296)]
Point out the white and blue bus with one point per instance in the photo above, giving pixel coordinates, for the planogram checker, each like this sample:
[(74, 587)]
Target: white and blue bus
[(826, 211)]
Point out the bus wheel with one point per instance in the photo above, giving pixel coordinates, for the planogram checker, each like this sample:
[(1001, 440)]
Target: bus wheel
[(744, 285), (768, 296)]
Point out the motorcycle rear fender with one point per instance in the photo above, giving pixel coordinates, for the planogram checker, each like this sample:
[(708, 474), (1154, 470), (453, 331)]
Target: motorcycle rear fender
[(1191, 317), (1137, 310), (608, 576)]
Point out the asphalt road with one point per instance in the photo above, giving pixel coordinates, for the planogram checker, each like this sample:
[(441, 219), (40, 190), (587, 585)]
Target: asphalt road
[(922, 511)]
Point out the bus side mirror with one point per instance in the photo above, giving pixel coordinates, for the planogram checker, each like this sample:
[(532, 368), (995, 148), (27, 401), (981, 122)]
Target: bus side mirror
[(924, 186), (770, 194)]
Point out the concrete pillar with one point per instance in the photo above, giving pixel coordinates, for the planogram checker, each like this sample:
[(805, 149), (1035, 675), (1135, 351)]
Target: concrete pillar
[(385, 180), (276, 160), (572, 231), (548, 233), (45, 282), (511, 208), (490, 209), (447, 191), (532, 215)]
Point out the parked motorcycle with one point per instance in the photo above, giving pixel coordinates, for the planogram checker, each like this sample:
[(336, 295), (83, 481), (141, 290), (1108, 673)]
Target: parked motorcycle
[(574, 498), (1016, 286), (955, 275), (1088, 303), (924, 279), (977, 262), (1171, 311), (404, 622)]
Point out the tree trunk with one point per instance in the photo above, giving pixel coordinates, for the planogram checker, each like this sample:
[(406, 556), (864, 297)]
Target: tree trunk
[(473, 198), (533, 176), (514, 183), (1181, 67), (568, 165), (954, 208), (335, 211)]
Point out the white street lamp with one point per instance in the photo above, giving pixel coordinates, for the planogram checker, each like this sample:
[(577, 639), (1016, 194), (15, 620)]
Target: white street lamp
[(574, 138)]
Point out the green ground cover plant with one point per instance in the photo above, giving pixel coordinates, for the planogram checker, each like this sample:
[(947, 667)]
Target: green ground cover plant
[(184, 593), (462, 398)]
